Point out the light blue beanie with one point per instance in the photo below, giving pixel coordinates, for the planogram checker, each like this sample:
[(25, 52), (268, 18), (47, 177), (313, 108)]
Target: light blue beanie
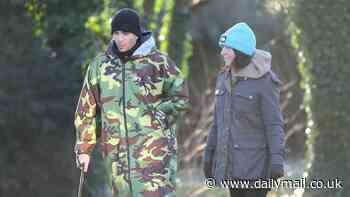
[(240, 37)]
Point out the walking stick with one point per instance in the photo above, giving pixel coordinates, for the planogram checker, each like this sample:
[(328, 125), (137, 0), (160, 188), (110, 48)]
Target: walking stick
[(81, 182), (82, 176)]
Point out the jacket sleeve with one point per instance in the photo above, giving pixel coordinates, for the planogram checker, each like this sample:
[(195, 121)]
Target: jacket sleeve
[(273, 119), (211, 141), (86, 112), (174, 92)]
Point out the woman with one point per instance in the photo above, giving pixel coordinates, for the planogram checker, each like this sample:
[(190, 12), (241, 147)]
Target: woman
[(246, 139), (138, 92)]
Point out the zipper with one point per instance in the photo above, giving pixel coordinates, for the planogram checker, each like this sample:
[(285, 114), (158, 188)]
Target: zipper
[(126, 127)]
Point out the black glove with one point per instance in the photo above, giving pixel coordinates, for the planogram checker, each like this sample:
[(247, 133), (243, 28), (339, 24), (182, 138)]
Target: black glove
[(208, 163), (276, 171), (207, 169)]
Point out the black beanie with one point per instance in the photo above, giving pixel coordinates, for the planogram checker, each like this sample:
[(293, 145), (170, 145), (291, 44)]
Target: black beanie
[(126, 20)]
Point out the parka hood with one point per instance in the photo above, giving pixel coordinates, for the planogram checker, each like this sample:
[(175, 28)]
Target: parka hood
[(148, 45), (259, 65)]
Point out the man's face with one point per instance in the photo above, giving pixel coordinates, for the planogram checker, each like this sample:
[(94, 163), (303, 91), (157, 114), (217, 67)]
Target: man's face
[(229, 55), (124, 40)]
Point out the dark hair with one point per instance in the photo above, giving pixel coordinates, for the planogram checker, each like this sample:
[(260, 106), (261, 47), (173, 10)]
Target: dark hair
[(242, 60)]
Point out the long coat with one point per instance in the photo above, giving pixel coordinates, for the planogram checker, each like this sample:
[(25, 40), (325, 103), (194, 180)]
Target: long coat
[(139, 147), (247, 135)]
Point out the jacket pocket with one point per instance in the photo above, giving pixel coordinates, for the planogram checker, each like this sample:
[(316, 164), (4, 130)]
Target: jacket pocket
[(250, 158), (247, 112), (250, 142), (246, 102)]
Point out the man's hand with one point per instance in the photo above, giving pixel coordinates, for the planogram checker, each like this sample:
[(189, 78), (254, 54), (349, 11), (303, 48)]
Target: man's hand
[(84, 160)]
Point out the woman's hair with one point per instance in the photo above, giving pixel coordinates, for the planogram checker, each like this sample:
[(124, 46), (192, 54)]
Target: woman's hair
[(242, 60)]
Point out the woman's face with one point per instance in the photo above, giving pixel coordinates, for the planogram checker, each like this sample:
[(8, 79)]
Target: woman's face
[(124, 40), (229, 55)]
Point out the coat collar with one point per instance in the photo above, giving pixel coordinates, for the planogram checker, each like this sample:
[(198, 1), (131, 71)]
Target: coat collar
[(148, 45), (258, 67)]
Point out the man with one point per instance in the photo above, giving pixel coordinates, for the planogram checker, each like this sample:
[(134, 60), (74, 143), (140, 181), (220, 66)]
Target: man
[(246, 139), (138, 93)]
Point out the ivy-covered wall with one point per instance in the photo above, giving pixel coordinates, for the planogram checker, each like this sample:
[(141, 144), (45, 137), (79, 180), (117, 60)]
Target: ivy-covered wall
[(321, 36)]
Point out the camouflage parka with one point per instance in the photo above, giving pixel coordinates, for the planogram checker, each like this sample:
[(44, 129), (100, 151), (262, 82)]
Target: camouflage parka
[(138, 102)]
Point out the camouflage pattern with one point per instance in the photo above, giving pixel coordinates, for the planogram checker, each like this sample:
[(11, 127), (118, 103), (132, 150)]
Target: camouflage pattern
[(153, 84)]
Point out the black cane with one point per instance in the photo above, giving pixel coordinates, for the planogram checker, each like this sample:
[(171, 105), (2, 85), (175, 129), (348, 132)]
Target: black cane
[(82, 176), (81, 182)]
